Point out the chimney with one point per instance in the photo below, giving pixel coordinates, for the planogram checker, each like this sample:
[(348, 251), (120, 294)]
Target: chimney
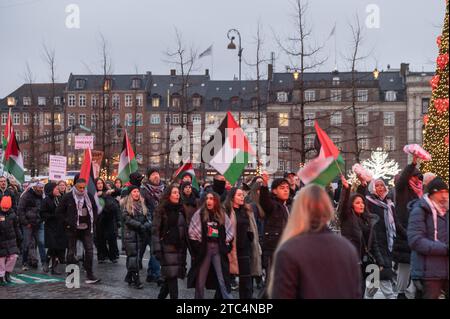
[(173, 72), (207, 72), (404, 69), (269, 72)]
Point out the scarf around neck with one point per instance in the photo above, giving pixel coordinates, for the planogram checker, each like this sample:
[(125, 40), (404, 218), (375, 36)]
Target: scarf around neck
[(388, 218), (80, 199), (155, 191), (435, 210)]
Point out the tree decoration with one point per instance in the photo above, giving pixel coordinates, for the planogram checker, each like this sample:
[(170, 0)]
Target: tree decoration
[(434, 82), (441, 105), (442, 61)]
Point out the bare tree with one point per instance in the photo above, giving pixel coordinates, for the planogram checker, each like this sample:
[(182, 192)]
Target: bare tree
[(305, 56), (33, 160), (49, 57)]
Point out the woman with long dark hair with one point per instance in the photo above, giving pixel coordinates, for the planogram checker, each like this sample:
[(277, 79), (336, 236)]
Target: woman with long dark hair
[(169, 239), (210, 235)]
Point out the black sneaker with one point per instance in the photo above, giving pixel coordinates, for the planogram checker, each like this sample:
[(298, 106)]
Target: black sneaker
[(8, 277), (92, 280), (150, 279)]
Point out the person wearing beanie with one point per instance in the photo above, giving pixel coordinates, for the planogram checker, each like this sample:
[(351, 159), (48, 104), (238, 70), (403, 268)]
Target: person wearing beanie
[(55, 236), (152, 192), (427, 178), (189, 200), (7, 191), (276, 216), (428, 239), (10, 238), (408, 188), (77, 211)]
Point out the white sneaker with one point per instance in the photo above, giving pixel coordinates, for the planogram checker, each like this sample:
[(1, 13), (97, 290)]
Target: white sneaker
[(92, 280)]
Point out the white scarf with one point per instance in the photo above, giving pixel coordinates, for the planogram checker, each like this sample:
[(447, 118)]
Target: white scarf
[(80, 198), (435, 211)]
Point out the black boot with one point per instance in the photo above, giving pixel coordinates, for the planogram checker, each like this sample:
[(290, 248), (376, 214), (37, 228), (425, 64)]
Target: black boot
[(8, 277), (128, 278), (55, 263), (2, 281), (136, 281)]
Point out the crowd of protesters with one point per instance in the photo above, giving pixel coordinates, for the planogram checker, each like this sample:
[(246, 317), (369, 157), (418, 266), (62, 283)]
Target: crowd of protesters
[(263, 242)]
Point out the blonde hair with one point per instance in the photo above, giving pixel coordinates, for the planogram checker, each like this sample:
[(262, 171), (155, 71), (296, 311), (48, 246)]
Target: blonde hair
[(128, 205), (311, 211)]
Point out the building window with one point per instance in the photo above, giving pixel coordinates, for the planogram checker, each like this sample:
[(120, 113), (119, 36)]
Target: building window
[(335, 95), (94, 119), (82, 100), (184, 118), (139, 100), (363, 142), (4, 118), (128, 100), (283, 119), (362, 118), (283, 143), (425, 103), (48, 119), (175, 119), (116, 102), (136, 84), (25, 136), (16, 118), (154, 160), (57, 100), (196, 119), (128, 119), (79, 84), (94, 100), (58, 119), (389, 118), (283, 165), (391, 96), (26, 118), (139, 119), (216, 103), (389, 143), (41, 100), (26, 100), (155, 119), (154, 137), (139, 138), (310, 95), (362, 95), (211, 119), (336, 119), (337, 140), (71, 119), (82, 119), (156, 101), (309, 141), (107, 85), (72, 100), (115, 120), (234, 102), (17, 135), (176, 101), (196, 101), (336, 81), (309, 119), (282, 97)]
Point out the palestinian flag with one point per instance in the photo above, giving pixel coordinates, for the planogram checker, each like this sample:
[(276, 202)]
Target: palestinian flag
[(233, 156), (6, 135), (187, 169), (127, 162), (13, 158), (325, 167), (87, 173)]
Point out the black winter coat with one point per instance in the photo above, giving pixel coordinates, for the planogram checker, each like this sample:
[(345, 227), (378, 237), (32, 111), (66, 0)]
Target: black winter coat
[(137, 228), (169, 240), (29, 207), (10, 235), (68, 214), (54, 233), (358, 229), (198, 251), (382, 240), (109, 219), (275, 220), (403, 196)]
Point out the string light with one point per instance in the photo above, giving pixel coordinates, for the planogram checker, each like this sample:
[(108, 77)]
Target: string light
[(436, 128)]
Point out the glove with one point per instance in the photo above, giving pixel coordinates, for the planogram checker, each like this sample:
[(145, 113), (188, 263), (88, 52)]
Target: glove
[(230, 247)]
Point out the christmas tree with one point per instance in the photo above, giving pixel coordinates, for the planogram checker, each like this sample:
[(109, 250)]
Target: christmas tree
[(436, 121), (379, 165)]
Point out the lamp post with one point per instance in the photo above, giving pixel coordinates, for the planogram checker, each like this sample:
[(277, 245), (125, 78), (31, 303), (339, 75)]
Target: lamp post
[(232, 46)]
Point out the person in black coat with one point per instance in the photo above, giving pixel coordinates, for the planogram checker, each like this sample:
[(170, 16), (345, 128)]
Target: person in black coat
[(210, 235), (311, 262), (31, 222), (10, 238), (137, 227), (276, 215), (54, 234), (77, 212), (108, 223), (169, 241), (408, 188), (379, 204), (5, 190), (357, 225)]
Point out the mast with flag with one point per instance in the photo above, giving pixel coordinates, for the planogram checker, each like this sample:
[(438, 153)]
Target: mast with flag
[(87, 173), (13, 159), (187, 168), (127, 162)]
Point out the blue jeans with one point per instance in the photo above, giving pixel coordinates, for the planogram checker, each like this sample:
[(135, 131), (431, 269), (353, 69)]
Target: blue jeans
[(32, 238), (154, 267), (41, 244)]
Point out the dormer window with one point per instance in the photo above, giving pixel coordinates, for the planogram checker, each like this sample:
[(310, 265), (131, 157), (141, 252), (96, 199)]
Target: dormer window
[(216, 103), (107, 85), (196, 101), (234, 101), (79, 84), (282, 97), (391, 96), (136, 84), (336, 80)]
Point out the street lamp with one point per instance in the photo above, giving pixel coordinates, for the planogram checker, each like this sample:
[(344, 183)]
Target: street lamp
[(11, 101), (232, 46)]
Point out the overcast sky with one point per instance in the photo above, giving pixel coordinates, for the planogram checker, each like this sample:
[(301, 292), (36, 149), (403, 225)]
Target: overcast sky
[(139, 31)]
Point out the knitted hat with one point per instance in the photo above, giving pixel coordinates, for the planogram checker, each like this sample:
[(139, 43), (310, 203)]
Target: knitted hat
[(131, 188), (184, 184), (151, 170), (6, 203), (278, 182), (436, 185)]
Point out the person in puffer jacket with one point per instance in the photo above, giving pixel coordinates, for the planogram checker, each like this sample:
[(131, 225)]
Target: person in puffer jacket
[(428, 240)]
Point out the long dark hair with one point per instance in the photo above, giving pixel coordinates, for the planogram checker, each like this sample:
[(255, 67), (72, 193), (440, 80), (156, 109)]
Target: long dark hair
[(217, 210), (105, 188), (165, 200), (229, 202)]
